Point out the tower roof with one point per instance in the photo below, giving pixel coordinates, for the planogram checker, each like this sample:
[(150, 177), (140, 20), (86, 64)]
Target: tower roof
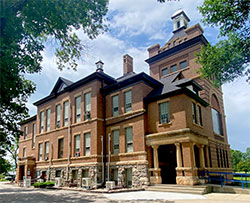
[(179, 12)]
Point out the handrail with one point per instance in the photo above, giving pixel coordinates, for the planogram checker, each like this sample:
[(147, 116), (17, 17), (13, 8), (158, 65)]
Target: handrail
[(223, 177)]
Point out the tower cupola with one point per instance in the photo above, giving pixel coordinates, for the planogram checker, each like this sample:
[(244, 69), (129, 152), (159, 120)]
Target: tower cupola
[(180, 20)]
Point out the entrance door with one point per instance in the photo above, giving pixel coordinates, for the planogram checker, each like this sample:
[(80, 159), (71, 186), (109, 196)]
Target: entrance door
[(21, 172), (167, 163)]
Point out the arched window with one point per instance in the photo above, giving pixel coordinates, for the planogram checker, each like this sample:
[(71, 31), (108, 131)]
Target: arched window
[(216, 116)]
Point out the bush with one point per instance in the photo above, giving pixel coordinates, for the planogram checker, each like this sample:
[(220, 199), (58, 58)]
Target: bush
[(43, 184)]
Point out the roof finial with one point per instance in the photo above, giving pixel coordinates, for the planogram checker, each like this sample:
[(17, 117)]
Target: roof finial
[(99, 66)]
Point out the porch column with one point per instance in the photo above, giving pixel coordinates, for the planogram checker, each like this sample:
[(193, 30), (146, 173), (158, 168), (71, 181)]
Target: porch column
[(202, 163), (208, 159), (194, 162), (156, 159), (178, 155), (156, 178)]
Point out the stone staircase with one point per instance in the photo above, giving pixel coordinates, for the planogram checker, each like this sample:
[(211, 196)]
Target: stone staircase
[(199, 189)]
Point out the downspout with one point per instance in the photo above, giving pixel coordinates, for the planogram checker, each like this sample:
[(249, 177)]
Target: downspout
[(104, 136), (69, 141)]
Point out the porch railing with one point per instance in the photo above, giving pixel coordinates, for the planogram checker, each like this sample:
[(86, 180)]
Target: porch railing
[(226, 177)]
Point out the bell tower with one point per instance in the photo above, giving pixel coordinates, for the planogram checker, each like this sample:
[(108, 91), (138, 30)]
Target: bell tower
[(180, 20)]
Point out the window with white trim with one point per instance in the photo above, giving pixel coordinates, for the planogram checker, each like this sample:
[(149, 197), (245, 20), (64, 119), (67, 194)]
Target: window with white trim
[(24, 152), (183, 64), (199, 115), (48, 119), (164, 71), (173, 68), (58, 115), (164, 112), (87, 106), (40, 151), (115, 105), (42, 122), (129, 139), (217, 122), (87, 141), (78, 101), (46, 151), (116, 134), (33, 135), (60, 148), (25, 132), (194, 113), (77, 145), (66, 113), (128, 101)]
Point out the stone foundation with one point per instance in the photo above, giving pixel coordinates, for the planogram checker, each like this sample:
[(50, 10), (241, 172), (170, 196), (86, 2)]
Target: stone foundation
[(187, 180)]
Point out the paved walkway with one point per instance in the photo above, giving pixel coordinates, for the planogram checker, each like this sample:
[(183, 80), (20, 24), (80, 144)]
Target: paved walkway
[(12, 193)]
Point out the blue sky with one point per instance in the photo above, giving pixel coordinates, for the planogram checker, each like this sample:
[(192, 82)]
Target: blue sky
[(135, 25)]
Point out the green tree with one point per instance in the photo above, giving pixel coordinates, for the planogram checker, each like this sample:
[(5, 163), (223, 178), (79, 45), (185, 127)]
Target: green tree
[(230, 57), (5, 166), (25, 27), (236, 157), (243, 166)]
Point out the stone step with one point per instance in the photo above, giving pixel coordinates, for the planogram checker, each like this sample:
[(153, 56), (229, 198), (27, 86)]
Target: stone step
[(178, 189)]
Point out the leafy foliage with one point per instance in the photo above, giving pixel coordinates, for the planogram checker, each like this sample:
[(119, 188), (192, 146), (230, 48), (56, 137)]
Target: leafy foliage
[(230, 57), (44, 184), (241, 160), (25, 26)]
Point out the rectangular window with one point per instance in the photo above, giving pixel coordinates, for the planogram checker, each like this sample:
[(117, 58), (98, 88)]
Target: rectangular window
[(85, 173), (164, 71), (129, 177), (116, 149), (48, 119), (183, 64), (128, 101), (217, 122), (199, 115), (58, 173), (221, 159), (164, 112), (194, 113), (115, 105), (129, 139), (77, 145), (115, 175), (58, 115), (78, 101), (24, 152), (46, 151), (173, 68), (60, 148), (87, 144), (33, 135), (210, 157), (25, 132), (42, 122), (74, 174), (40, 155), (87, 106), (218, 157), (66, 113)]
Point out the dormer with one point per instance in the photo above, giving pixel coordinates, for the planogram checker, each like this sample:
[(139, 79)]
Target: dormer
[(180, 20)]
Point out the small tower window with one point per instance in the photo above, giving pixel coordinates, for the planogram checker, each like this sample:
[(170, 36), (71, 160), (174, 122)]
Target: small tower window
[(178, 24)]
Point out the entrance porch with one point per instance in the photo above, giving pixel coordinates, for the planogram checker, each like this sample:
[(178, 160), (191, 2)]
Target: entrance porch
[(179, 157), (25, 168)]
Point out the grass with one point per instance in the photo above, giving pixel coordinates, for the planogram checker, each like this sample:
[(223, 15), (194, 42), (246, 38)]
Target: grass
[(244, 179)]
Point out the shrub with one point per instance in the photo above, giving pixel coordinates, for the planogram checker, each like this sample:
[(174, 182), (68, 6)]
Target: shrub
[(44, 184)]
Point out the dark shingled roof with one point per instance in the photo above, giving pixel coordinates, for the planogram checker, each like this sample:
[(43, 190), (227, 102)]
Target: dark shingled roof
[(126, 76), (173, 84)]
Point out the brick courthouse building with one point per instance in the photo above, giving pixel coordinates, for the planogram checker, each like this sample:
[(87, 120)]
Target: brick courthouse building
[(165, 127)]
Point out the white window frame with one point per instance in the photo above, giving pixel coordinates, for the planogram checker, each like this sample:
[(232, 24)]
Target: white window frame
[(78, 109), (128, 101), (58, 115), (116, 141), (129, 142), (87, 144)]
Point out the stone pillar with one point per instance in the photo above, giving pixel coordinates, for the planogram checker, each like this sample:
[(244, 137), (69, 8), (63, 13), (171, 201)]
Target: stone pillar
[(202, 159), (156, 159), (208, 159), (178, 155), (156, 179), (193, 154)]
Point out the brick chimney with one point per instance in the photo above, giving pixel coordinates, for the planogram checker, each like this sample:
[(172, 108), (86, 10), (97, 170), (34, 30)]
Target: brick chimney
[(127, 64)]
